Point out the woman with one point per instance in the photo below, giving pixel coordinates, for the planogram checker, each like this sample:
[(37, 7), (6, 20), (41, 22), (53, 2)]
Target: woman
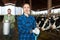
[(26, 24)]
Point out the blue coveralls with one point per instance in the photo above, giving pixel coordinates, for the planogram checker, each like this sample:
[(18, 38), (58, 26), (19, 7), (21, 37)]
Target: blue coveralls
[(25, 25)]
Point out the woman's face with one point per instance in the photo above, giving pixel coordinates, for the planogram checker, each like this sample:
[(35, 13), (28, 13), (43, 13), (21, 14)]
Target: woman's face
[(26, 8)]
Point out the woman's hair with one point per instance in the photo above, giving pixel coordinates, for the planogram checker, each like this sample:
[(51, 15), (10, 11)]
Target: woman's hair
[(25, 3)]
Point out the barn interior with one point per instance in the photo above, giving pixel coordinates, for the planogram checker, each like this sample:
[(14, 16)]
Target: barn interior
[(42, 9)]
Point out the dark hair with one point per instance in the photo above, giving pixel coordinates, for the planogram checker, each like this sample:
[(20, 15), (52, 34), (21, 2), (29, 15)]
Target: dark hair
[(25, 3), (9, 9)]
